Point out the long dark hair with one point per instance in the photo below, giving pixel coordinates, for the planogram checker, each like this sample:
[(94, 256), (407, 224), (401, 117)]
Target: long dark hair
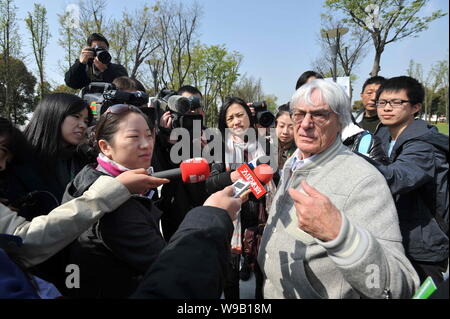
[(44, 130), (223, 113), (14, 140)]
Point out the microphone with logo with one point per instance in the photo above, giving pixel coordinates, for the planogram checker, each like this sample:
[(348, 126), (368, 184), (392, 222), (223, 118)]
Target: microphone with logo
[(252, 181), (193, 170)]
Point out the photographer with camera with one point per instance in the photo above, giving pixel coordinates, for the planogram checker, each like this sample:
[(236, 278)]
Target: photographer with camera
[(262, 116), (94, 64), (182, 109)]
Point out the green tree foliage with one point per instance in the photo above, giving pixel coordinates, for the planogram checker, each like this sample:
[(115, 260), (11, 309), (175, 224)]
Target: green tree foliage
[(387, 21), (64, 89), (213, 70), (21, 91), (12, 70), (435, 80), (37, 25), (357, 105)]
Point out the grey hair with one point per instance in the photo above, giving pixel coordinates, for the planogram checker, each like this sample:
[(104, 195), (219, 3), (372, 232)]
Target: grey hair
[(331, 93)]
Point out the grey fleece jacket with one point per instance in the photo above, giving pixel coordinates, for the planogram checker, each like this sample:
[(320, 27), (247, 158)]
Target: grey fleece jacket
[(45, 235), (367, 258)]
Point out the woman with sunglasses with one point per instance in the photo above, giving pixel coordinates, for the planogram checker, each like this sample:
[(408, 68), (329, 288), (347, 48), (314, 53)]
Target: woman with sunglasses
[(117, 251)]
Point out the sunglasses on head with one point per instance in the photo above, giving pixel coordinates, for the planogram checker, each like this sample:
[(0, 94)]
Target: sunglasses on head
[(120, 108)]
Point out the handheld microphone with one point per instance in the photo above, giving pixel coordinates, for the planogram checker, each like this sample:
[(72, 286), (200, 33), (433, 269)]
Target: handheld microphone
[(193, 170), (253, 180), (263, 159)]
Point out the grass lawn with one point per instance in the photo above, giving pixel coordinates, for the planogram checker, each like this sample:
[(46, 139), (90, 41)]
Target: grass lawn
[(442, 127)]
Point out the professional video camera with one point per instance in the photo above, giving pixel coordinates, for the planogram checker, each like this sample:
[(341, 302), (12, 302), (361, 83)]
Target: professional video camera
[(101, 95), (111, 97), (178, 106), (102, 54), (263, 116)]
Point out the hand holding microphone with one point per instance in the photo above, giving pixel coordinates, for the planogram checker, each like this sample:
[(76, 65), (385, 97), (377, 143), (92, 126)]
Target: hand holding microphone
[(225, 200), (252, 181)]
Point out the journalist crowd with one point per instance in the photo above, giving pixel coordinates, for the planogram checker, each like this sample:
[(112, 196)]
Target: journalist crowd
[(98, 199)]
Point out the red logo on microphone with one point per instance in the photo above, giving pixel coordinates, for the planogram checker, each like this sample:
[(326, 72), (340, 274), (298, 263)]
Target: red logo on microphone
[(255, 185)]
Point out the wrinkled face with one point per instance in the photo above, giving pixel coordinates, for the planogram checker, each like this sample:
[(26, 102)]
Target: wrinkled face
[(132, 144), (368, 97), (313, 136), (73, 128), (285, 128), (398, 115), (237, 119), (5, 154)]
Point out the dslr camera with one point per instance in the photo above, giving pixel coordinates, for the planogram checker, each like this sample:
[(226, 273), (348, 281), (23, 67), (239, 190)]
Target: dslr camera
[(102, 54), (263, 116)]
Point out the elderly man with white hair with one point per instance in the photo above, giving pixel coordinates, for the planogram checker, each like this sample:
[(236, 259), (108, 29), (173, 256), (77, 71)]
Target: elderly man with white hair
[(333, 229)]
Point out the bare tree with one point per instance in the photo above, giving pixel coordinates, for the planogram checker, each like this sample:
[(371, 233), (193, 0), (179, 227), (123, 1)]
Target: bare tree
[(9, 47), (175, 33), (67, 40), (350, 49), (143, 37), (387, 21)]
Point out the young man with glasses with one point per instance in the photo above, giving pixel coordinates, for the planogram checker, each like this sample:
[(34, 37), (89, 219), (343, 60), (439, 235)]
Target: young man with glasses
[(417, 174)]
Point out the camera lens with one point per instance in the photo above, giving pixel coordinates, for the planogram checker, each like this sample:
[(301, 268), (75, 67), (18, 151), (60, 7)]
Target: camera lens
[(104, 56), (183, 105), (266, 119)]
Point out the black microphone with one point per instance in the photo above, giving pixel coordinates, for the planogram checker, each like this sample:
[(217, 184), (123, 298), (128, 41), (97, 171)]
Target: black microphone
[(170, 174), (193, 170)]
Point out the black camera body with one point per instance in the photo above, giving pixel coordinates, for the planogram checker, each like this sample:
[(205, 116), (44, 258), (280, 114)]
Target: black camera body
[(102, 54), (137, 98), (263, 116)]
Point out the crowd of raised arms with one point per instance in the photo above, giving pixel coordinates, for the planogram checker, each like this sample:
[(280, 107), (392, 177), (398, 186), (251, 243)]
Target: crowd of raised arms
[(94, 203)]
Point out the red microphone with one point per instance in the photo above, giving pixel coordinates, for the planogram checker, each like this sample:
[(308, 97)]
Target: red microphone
[(253, 180), (193, 170), (264, 173)]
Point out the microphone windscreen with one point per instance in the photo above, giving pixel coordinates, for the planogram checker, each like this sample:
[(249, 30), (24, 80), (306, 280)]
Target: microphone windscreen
[(264, 173), (194, 170), (179, 104)]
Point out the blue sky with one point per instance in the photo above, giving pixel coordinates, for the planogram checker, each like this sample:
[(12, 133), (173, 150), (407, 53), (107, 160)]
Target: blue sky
[(278, 39)]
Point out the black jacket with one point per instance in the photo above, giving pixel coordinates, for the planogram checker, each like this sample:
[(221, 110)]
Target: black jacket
[(35, 188), (374, 148), (77, 76), (116, 252), (177, 198), (417, 177), (194, 263), (219, 179)]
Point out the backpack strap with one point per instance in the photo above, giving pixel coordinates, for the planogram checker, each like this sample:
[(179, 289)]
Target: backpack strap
[(364, 143)]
